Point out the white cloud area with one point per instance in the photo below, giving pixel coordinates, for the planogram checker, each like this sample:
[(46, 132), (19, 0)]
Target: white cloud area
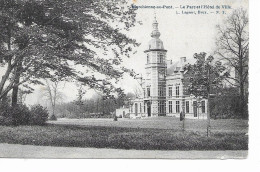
[(182, 35)]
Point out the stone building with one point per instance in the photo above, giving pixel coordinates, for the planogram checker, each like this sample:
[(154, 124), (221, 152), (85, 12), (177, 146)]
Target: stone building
[(163, 86)]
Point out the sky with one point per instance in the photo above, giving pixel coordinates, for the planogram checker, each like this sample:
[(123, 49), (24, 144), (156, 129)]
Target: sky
[(182, 35)]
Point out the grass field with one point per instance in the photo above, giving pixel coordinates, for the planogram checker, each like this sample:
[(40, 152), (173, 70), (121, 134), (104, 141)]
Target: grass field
[(220, 125), (154, 134)]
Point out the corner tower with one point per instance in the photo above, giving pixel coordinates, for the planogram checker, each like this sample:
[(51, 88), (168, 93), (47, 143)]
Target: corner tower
[(155, 85)]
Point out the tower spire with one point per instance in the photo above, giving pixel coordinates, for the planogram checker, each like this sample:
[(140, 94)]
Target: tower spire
[(155, 33)]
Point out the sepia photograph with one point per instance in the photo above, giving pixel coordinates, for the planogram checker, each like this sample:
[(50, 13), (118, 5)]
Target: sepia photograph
[(124, 79)]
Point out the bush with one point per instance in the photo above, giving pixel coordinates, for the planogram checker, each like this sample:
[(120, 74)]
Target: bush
[(39, 115), (18, 115), (21, 115), (5, 118)]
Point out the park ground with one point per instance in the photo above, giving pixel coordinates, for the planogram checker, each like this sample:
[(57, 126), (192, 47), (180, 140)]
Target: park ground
[(163, 133), (171, 123), (30, 151)]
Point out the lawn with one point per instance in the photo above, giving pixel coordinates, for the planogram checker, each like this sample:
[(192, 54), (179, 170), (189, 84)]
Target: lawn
[(153, 134), (220, 125)]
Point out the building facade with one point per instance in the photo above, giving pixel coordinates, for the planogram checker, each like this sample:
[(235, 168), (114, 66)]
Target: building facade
[(163, 86), (122, 112)]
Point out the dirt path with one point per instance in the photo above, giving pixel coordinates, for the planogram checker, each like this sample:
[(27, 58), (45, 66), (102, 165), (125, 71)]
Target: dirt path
[(30, 151)]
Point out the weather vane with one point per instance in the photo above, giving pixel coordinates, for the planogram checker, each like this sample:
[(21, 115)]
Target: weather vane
[(154, 14)]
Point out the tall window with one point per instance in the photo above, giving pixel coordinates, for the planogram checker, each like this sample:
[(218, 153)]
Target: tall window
[(148, 59), (148, 92), (177, 106), (161, 92), (140, 108), (170, 91), (136, 109), (177, 91), (161, 107), (203, 106), (187, 107), (170, 106), (144, 108), (160, 59)]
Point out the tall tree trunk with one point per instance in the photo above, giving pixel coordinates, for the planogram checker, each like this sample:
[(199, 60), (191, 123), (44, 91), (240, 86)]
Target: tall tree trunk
[(208, 105), (16, 87), (241, 82), (15, 94), (3, 96), (242, 101), (4, 99)]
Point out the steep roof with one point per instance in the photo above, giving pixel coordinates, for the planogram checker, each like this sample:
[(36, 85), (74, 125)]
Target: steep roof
[(172, 68), (178, 65)]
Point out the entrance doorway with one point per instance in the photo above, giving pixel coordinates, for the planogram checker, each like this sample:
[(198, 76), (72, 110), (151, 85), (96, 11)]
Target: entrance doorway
[(149, 109), (195, 109), (136, 109)]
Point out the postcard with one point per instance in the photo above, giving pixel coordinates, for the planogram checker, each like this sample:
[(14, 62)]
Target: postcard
[(130, 79)]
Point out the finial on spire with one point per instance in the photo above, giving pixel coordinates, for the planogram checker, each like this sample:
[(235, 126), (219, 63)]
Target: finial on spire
[(155, 33), (155, 15)]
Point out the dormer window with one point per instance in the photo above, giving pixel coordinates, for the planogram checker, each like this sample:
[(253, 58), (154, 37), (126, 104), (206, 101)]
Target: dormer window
[(161, 75)]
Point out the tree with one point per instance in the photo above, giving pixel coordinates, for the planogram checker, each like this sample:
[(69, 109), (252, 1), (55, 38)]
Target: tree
[(81, 107), (233, 48), (50, 39), (203, 78), (225, 104), (52, 93), (22, 96), (138, 91)]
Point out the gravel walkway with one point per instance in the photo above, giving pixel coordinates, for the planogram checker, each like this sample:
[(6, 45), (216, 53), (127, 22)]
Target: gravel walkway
[(30, 151)]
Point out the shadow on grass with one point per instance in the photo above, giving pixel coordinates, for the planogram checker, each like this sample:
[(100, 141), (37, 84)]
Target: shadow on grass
[(121, 138)]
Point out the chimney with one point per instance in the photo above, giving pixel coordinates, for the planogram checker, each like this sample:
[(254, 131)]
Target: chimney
[(183, 60), (169, 62)]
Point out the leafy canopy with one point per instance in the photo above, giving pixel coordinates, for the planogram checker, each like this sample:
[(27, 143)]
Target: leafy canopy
[(65, 40), (205, 75)]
